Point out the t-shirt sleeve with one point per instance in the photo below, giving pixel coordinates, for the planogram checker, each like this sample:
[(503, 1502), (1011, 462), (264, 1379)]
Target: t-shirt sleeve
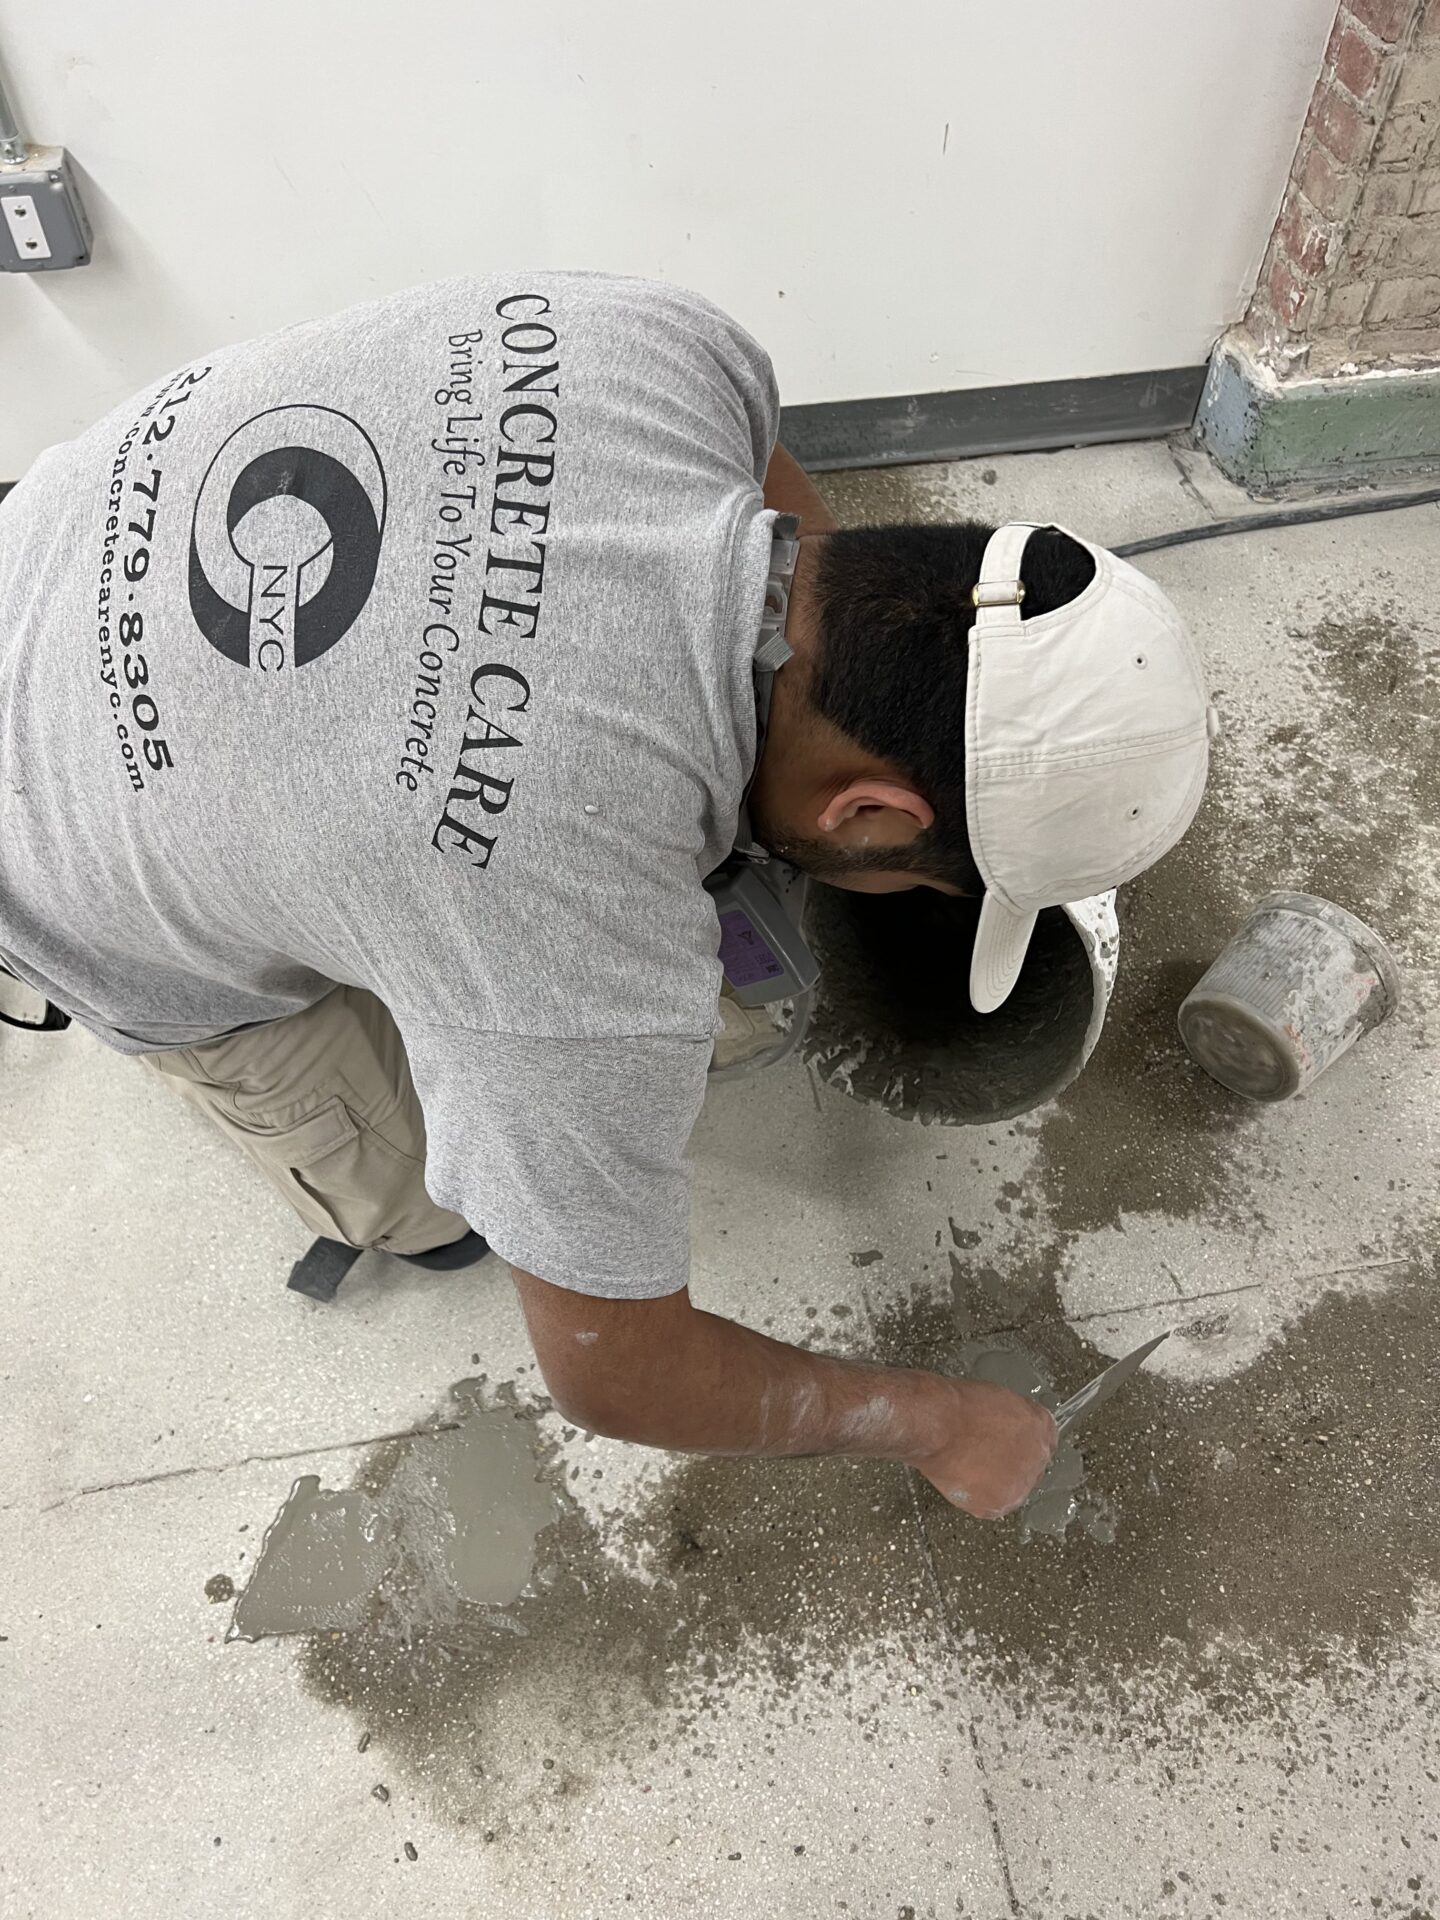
[(754, 379), (568, 1155), (752, 396)]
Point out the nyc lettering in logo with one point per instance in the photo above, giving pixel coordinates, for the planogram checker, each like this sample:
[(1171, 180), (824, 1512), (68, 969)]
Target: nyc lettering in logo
[(285, 538)]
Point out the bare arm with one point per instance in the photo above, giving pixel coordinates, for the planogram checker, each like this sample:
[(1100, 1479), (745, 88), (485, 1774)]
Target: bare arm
[(665, 1374), (789, 489)]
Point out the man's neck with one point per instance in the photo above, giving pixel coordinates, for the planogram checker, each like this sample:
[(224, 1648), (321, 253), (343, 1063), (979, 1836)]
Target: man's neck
[(800, 762)]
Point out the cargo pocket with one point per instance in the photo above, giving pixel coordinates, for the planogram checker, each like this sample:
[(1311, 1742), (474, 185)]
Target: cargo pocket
[(315, 1163), (346, 1181)]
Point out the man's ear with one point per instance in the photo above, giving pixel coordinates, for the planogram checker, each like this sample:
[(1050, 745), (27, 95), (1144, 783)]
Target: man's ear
[(876, 813)]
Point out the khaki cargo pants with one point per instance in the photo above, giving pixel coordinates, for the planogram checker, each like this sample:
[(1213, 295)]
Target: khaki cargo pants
[(323, 1103)]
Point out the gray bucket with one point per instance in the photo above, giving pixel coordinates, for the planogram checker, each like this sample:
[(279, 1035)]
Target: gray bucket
[(1295, 988), (890, 1021), (893, 1025)]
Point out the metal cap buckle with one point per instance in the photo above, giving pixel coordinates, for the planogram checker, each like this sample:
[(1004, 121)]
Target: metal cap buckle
[(997, 593)]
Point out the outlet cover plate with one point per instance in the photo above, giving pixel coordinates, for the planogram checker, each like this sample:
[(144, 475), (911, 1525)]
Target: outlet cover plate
[(43, 227)]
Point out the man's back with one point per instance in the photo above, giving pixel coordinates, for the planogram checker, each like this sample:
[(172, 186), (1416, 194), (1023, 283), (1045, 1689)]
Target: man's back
[(408, 650), (397, 649)]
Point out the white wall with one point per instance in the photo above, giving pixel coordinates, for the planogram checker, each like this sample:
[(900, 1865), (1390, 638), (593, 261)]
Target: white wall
[(894, 195)]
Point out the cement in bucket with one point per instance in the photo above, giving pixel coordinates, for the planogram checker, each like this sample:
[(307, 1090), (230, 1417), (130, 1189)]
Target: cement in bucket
[(1295, 988), (893, 1024)]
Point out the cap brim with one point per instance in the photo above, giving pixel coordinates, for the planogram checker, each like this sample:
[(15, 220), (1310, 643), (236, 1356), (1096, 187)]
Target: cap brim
[(1002, 939)]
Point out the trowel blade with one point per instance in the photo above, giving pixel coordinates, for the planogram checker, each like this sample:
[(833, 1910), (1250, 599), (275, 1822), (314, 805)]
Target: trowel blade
[(1081, 1405)]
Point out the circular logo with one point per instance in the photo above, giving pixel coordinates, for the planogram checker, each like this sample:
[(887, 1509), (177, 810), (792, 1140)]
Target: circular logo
[(285, 538)]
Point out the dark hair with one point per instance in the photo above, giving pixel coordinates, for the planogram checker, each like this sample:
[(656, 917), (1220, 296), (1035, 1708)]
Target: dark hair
[(894, 621)]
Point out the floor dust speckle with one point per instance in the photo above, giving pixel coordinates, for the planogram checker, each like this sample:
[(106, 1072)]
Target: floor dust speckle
[(1282, 1521), (1284, 1518)]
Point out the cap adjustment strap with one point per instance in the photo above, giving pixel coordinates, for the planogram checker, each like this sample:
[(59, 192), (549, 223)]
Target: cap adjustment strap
[(999, 592)]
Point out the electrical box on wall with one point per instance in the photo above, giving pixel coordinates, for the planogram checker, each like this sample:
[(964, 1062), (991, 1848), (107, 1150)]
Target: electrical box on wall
[(42, 222)]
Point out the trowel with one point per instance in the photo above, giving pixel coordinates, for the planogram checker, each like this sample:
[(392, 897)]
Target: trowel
[(1081, 1405)]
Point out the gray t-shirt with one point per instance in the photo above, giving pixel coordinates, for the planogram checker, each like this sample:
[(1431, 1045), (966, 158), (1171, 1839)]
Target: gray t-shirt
[(412, 649)]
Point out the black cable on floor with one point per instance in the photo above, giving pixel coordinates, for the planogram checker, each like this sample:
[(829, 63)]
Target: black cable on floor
[(1288, 517)]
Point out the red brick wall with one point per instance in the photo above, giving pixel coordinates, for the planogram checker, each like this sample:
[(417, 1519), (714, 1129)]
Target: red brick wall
[(1352, 273)]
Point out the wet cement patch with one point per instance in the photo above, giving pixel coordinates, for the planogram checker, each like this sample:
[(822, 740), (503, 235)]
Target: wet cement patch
[(453, 1522), (1283, 1520), (1064, 1499), (323, 1557), (729, 1571)]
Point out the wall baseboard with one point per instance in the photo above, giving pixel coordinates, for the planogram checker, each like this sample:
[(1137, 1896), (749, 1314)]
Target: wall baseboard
[(904, 428), (1019, 419), (1273, 435)]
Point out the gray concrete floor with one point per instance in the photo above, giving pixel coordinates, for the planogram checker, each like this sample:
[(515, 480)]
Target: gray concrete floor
[(811, 1689)]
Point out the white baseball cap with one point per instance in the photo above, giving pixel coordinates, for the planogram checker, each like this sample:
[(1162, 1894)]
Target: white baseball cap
[(1087, 743)]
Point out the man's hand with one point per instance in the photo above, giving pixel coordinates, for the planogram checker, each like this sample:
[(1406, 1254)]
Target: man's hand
[(997, 1454), (664, 1374)]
